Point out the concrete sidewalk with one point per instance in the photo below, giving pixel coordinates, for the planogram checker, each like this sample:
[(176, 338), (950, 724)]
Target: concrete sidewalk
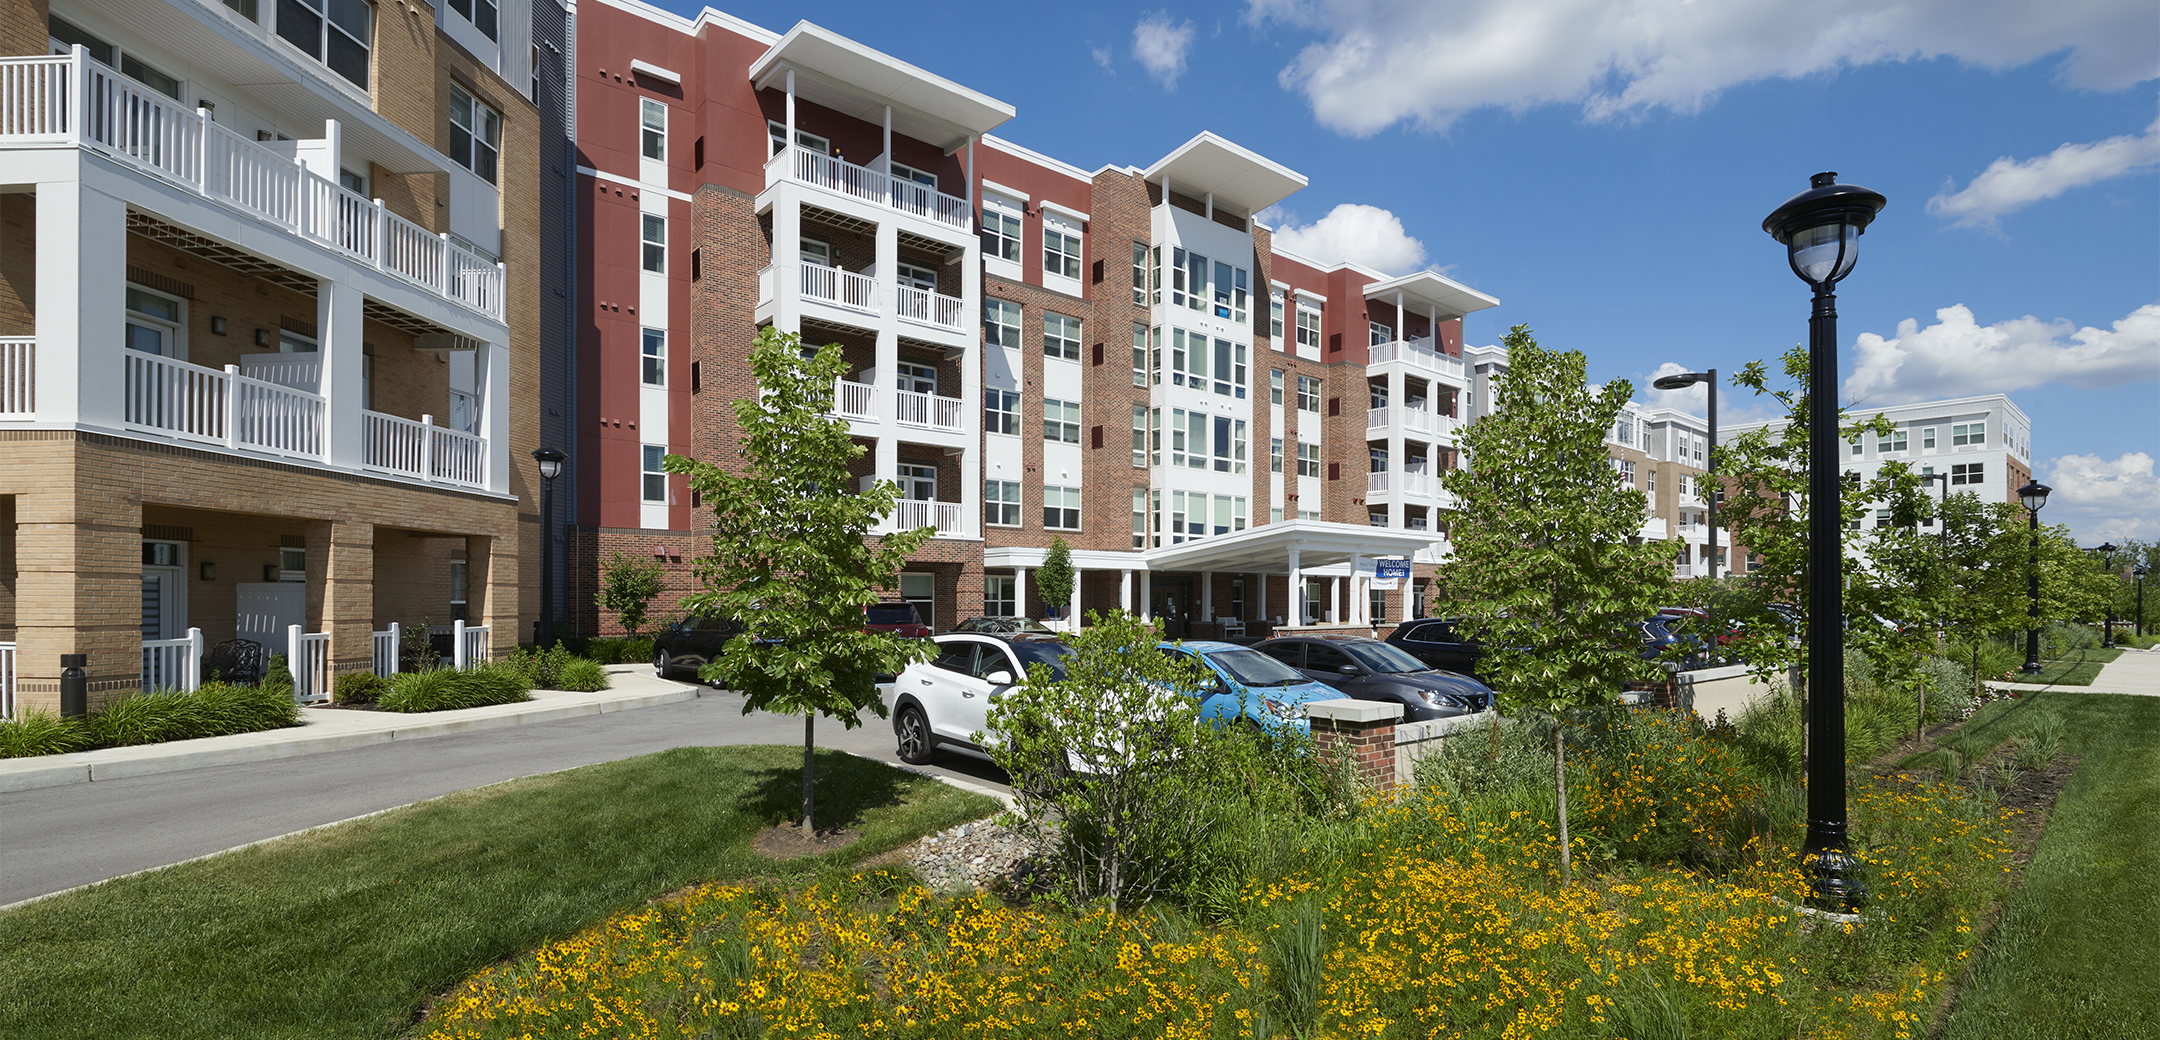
[(336, 729), (2136, 673)]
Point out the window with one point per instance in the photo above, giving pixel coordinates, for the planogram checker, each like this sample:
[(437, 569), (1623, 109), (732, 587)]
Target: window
[(1139, 275), (915, 378), (915, 276), (479, 12), (131, 65), (998, 600), (1230, 368), (655, 473), (1154, 436), (1274, 449), (1232, 294), (911, 174), (1627, 471), (815, 251), (1624, 431), (1376, 458), (339, 41), (1155, 275), (1855, 442), (655, 241), (1381, 333), (475, 132), (1188, 359), (917, 483), (655, 359), (1139, 355), (776, 134), (1061, 421), (1891, 442), (1927, 437), (1196, 434), (1229, 445), (1308, 460), (1274, 386), (1969, 473), (1882, 518), (1061, 508), (1186, 271), (652, 127), (1001, 503), (1139, 518), (464, 411), (1061, 248), (1139, 435), (1001, 323), (1061, 336), (1001, 411), (1376, 518), (1308, 394), (1308, 323), (1308, 514), (1275, 318), (352, 182), (1000, 229), (1963, 434), (155, 323)]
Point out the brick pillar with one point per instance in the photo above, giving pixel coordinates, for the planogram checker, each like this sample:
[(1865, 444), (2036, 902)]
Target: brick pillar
[(1362, 730), (491, 576), (341, 591), (78, 586)]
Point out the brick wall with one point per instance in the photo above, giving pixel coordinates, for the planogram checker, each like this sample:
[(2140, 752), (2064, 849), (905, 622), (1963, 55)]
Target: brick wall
[(1370, 747), (18, 265), (23, 26)]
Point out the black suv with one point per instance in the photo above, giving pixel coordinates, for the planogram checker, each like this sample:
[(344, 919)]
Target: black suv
[(1370, 670), (1439, 642), (688, 644)]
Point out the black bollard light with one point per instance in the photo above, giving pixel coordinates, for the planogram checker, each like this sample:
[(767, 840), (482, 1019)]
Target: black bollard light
[(74, 685)]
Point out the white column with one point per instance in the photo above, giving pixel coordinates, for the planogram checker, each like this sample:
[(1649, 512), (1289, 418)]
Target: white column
[(492, 377), (1297, 589), (1125, 591), (885, 162), (338, 350), (1020, 591), (1207, 596), (1072, 611), (971, 369), (1147, 595), (1356, 613), (790, 142), (1398, 405), (1334, 600), (81, 334), (787, 258)]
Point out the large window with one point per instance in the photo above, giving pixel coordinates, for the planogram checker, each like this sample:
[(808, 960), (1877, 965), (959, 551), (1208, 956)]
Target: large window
[(1275, 317), (1001, 503), (1308, 394), (1308, 324), (1139, 273), (998, 599), (1001, 411), (654, 370), (1209, 286), (1061, 248), (654, 237), (1308, 460), (1001, 323), (652, 128), (1061, 508), (1061, 336), (776, 134), (1962, 434), (475, 132), (1000, 229), (1274, 386), (1061, 421), (340, 40), (1139, 355), (1139, 517), (1188, 359), (1894, 441), (1968, 473), (479, 12), (655, 473), (1139, 435), (1230, 368), (1274, 460)]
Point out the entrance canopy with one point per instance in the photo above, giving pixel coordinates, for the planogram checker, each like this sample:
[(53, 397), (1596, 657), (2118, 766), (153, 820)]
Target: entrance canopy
[(1267, 549)]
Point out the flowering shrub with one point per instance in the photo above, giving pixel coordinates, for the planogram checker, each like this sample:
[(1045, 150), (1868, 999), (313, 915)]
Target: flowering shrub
[(1664, 789)]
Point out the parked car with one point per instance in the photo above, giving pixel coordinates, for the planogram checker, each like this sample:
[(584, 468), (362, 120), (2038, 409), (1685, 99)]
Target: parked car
[(1692, 621), (1004, 626), (1370, 670), (899, 618), (1250, 685), (1658, 640), (945, 702), (687, 645), (1439, 642)]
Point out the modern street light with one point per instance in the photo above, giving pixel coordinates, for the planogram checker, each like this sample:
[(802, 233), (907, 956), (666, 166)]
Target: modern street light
[(2107, 565), (2033, 496), (1682, 381), (551, 466), (1820, 229)]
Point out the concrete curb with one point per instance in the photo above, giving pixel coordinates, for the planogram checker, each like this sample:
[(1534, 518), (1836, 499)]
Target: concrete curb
[(325, 729)]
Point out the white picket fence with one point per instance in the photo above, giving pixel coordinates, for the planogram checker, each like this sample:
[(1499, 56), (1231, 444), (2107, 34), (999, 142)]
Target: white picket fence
[(74, 99), (307, 654), (386, 650), (7, 680), (172, 664), (469, 645)]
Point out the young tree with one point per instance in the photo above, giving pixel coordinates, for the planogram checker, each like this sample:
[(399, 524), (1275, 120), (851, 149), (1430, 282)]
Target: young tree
[(1055, 579), (791, 554), (628, 587), (1544, 555)]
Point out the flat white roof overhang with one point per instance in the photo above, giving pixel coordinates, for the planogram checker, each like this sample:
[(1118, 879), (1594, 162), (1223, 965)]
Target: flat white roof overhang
[(1424, 290), (843, 75), (1245, 180), (1256, 550)]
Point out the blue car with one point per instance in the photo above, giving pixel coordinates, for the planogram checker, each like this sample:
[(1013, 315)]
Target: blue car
[(1250, 685)]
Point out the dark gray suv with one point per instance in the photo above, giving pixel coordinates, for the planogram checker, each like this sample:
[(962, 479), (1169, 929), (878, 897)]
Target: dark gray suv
[(1370, 670), (1439, 642)]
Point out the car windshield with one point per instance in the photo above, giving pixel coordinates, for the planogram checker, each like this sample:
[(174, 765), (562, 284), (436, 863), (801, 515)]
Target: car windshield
[(1255, 669), (890, 614), (1044, 652), (1385, 657)]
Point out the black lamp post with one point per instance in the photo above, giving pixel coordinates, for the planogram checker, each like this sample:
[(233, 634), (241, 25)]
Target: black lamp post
[(1681, 381), (2033, 495), (551, 465), (1820, 229), (2107, 564)]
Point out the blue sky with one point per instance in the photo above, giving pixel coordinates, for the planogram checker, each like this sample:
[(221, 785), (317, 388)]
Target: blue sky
[(1603, 168)]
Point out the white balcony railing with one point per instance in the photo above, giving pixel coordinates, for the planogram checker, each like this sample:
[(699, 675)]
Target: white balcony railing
[(192, 403), (423, 451), (307, 654), (930, 410), (931, 308), (74, 99), (385, 648), (855, 400), (172, 664), (299, 371), (1417, 355), (1684, 570), (469, 645), (868, 185), (18, 377), (1377, 483), (945, 516), (1411, 419), (856, 292)]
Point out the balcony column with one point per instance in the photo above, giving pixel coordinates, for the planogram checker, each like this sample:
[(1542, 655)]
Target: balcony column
[(1297, 589), (491, 376), (787, 254), (885, 457), (1125, 591), (1358, 602), (971, 369), (81, 331), (1020, 591), (341, 590), (1398, 415), (1147, 596), (337, 319), (1072, 610), (1263, 594), (886, 271)]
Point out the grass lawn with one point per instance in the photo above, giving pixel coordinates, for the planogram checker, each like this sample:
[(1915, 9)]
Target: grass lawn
[(2076, 668), (2073, 953), (344, 932)]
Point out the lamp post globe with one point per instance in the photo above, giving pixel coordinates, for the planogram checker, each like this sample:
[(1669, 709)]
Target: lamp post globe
[(1820, 229), (550, 461), (2032, 496), (2107, 564)]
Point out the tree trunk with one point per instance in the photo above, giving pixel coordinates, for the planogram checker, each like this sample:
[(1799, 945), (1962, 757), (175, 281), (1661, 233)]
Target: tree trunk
[(809, 744), (1559, 775)]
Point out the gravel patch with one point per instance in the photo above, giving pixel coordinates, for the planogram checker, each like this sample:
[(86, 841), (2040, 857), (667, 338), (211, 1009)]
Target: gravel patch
[(979, 855)]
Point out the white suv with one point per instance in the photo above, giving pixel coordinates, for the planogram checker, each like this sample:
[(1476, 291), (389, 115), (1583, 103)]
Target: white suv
[(945, 702)]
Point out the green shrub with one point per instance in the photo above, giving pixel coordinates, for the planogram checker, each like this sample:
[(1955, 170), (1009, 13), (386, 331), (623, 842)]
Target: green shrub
[(542, 668), (1662, 788), (358, 688), (443, 689), (215, 710), (582, 676), (637, 650), (40, 732), (276, 676), (2060, 638)]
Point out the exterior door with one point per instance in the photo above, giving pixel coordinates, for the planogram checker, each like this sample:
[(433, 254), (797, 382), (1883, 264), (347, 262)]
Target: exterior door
[(1172, 601)]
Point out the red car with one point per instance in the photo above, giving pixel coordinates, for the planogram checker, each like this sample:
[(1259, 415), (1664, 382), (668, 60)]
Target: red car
[(897, 618)]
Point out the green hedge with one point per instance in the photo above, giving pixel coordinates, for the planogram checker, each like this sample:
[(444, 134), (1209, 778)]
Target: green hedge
[(444, 689), (216, 709), (358, 688), (619, 651)]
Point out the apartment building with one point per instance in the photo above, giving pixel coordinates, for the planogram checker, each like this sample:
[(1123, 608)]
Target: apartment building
[(268, 314), (1225, 433)]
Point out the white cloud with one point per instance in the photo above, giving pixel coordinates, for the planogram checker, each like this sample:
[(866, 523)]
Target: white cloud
[(2105, 499), (1693, 399), (1387, 61), (1160, 46), (1102, 57), (1957, 356), (2008, 185), (1361, 234), (1733, 407)]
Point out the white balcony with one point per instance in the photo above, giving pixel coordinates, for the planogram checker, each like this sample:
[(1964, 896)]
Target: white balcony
[(1411, 419), (937, 413), (844, 289), (1417, 355), (948, 517), (76, 101), (855, 400), (932, 308), (867, 185), (424, 451)]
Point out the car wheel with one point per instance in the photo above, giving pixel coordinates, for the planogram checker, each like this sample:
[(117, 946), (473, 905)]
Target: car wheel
[(661, 666), (913, 731)]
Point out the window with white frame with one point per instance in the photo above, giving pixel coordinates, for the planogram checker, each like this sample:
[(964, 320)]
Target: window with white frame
[(475, 129), (653, 363), (1154, 436), (815, 251), (1139, 517), (1001, 411), (998, 598), (1001, 503), (925, 178), (1061, 508), (1624, 430), (481, 13), (1232, 292), (334, 32), (1229, 444), (1196, 435), (1308, 323), (1139, 435), (1927, 437), (1000, 228), (1308, 394), (776, 135), (1275, 317), (654, 241), (1001, 323), (463, 410), (64, 35), (1229, 368), (1274, 385), (1061, 336), (1893, 441), (156, 323), (655, 473), (1962, 434), (1968, 473), (1061, 246), (652, 128), (1308, 460), (915, 378), (915, 276), (1188, 359), (1139, 273), (1626, 470), (1380, 333), (1308, 514), (352, 182), (1061, 421), (1155, 279), (1274, 463), (1139, 354), (1856, 448)]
